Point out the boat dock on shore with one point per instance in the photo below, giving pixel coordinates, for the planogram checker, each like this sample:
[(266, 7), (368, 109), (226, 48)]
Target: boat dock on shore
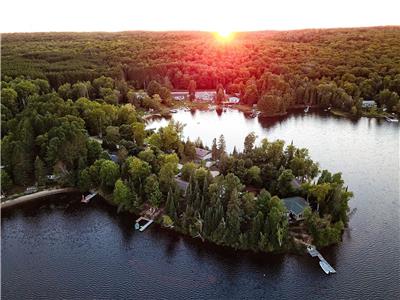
[(325, 266), (143, 227), (86, 199)]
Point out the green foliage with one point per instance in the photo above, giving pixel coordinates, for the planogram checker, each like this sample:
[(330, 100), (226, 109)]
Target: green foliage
[(284, 184), (152, 190), (6, 182), (137, 171), (40, 171), (188, 170), (109, 174), (123, 196)]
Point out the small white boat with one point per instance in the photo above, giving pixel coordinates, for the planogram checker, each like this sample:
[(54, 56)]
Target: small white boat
[(173, 111), (389, 119), (307, 109)]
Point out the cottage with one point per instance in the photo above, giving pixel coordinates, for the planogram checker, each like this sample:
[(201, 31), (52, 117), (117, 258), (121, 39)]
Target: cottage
[(52, 177), (31, 190), (214, 173), (368, 104), (180, 96), (182, 185), (209, 164), (233, 100), (296, 184), (295, 206), (140, 95), (203, 154), (206, 96), (114, 158)]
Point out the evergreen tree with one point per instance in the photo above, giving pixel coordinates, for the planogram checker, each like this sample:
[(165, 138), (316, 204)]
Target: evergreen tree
[(214, 150), (256, 229), (40, 171), (221, 146), (233, 219)]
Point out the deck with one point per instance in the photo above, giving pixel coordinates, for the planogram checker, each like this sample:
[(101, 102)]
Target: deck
[(87, 198), (325, 266), (143, 227)]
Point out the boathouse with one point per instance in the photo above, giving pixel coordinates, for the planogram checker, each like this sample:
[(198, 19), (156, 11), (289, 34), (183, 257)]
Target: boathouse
[(295, 206)]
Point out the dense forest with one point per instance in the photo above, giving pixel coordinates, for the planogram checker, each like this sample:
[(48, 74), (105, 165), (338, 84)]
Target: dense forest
[(274, 69), (68, 137)]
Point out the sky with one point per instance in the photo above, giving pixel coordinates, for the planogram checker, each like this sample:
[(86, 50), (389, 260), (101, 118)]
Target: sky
[(205, 15)]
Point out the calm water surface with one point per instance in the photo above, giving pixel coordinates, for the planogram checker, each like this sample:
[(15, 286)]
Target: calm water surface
[(68, 250)]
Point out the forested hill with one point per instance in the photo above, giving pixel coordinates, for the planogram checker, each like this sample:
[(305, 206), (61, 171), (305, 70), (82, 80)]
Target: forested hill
[(141, 56), (336, 67)]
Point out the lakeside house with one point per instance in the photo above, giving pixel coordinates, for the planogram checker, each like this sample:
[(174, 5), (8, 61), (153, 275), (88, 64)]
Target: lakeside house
[(368, 103), (180, 96), (203, 154), (140, 95), (295, 206), (214, 173), (233, 100), (205, 96), (182, 185), (200, 96), (296, 184)]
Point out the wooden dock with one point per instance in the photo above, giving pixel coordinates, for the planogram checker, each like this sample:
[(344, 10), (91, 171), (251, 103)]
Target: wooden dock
[(325, 266), (143, 227), (87, 198)]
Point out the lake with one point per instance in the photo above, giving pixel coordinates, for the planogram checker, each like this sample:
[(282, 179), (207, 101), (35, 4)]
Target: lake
[(63, 249)]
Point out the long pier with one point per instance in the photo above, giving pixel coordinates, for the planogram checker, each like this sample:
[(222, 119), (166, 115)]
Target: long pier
[(312, 250)]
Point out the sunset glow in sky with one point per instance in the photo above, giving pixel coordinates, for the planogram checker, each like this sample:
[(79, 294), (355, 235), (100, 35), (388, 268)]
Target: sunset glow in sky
[(207, 15)]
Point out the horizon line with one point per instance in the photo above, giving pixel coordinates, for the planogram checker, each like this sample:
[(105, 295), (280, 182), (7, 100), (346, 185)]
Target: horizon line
[(203, 31)]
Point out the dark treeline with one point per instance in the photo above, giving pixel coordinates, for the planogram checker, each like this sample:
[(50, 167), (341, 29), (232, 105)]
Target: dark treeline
[(277, 70)]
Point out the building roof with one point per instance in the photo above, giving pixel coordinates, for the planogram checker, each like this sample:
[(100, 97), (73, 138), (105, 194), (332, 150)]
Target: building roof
[(114, 158), (295, 205), (214, 173), (210, 163), (368, 102), (183, 185), (202, 152), (296, 184), (233, 99), (180, 93)]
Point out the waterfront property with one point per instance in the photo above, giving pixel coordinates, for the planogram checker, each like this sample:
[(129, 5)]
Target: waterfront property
[(203, 154), (295, 206), (368, 104), (233, 100), (180, 96), (296, 184), (182, 185)]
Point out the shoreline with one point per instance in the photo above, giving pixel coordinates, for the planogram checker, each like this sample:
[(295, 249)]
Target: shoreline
[(34, 196)]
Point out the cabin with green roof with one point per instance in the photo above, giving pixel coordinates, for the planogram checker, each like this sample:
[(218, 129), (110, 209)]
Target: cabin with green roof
[(295, 206)]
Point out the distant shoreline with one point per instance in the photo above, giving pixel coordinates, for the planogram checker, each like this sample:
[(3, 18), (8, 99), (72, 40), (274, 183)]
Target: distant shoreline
[(34, 196)]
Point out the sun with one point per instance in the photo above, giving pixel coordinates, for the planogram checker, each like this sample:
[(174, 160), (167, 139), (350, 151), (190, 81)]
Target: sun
[(224, 35)]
